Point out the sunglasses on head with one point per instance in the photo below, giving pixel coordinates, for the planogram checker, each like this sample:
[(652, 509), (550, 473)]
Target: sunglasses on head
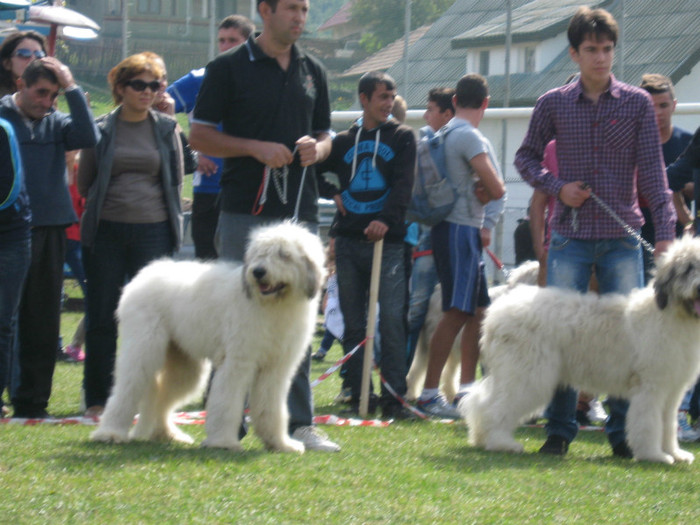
[(141, 85), (27, 53)]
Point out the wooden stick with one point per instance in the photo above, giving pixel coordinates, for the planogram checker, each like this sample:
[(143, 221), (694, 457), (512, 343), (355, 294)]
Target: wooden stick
[(371, 323)]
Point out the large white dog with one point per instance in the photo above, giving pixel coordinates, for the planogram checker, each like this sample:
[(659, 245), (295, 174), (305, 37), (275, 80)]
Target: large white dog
[(253, 322), (644, 347)]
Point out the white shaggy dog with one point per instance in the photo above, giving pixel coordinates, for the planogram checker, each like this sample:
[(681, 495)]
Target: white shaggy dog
[(644, 347), (526, 273), (253, 322)]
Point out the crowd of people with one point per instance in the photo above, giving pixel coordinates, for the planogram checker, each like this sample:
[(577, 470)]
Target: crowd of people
[(261, 130)]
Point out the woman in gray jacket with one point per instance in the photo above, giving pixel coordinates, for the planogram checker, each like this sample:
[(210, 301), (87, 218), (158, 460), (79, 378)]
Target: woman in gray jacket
[(132, 181)]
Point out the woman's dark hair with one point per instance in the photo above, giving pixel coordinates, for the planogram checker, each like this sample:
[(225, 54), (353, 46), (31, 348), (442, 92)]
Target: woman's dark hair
[(8, 47)]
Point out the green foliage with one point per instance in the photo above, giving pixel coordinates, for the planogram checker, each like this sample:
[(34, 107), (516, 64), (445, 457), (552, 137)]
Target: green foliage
[(385, 19)]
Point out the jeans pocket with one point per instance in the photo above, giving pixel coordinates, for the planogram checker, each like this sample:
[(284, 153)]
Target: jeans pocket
[(558, 242)]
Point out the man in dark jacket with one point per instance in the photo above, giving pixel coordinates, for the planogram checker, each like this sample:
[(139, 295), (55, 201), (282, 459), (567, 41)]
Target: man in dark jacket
[(375, 162), (44, 135)]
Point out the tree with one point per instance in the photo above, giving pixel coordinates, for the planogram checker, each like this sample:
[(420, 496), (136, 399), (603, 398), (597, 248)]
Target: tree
[(383, 19)]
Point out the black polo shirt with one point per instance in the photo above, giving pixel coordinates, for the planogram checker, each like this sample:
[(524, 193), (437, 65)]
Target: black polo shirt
[(252, 97)]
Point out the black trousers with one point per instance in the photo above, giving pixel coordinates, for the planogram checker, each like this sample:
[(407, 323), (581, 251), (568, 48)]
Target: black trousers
[(205, 217), (40, 319)]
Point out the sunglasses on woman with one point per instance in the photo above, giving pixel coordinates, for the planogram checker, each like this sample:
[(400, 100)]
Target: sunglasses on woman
[(26, 54), (140, 85)]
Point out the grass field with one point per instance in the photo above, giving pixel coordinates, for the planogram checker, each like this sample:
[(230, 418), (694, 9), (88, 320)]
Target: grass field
[(410, 472)]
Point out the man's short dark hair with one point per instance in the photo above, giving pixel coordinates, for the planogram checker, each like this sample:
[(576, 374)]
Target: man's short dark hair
[(442, 98), (655, 84), (472, 90), (591, 23), (37, 70), (271, 3), (369, 81), (240, 22)]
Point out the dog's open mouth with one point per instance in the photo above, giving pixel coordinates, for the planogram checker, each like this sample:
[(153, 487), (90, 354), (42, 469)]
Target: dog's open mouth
[(696, 307), (267, 289)]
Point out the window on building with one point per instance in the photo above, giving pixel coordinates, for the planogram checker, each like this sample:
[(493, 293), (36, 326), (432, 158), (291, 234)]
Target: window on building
[(484, 62), (529, 60), (151, 7)]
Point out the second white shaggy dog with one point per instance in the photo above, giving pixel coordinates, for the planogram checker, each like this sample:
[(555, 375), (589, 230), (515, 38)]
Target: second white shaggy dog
[(253, 322), (644, 347)]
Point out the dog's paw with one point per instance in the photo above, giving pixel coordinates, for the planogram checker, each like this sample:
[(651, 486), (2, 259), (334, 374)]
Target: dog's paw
[(504, 445), (167, 435), (683, 456), (289, 445), (655, 457), (229, 444), (107, 436)]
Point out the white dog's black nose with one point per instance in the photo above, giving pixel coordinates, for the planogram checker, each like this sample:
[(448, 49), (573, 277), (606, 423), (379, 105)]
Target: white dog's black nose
[(259, 272)]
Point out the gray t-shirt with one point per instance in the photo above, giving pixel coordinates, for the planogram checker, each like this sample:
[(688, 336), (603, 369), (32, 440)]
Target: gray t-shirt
[(463, 143), (135, 191)]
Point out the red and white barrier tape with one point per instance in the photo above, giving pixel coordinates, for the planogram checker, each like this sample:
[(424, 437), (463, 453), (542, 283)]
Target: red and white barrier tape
[(337, 365), (194, 418)]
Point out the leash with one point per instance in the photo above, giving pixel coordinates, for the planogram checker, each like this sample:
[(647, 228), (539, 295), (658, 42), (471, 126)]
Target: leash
[(630, 231), (498, 263), (280, 180)]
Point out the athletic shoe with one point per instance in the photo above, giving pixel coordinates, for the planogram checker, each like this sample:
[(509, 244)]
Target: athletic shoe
[(686, 433), (596, 413), (345, 396), (439, 407), (314, 438), (460, 395), (319, 356), (622, 450), (75, 353), (398, 413), (555, 446), (94, 412)]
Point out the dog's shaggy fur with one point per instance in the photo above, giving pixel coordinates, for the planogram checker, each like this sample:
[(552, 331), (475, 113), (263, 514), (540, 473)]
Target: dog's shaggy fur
[(253, 322), (644, 347), (526, 273)]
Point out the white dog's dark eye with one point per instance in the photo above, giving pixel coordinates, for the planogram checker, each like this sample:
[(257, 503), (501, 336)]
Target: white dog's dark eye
[(285, 256)]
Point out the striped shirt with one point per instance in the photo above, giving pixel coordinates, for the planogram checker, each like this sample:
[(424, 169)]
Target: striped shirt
[(612, 145)]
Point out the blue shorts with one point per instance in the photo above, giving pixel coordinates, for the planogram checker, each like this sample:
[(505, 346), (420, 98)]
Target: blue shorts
[(457, 254)]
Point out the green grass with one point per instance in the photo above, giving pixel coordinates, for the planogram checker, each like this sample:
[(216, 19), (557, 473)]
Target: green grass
[(418, 472)]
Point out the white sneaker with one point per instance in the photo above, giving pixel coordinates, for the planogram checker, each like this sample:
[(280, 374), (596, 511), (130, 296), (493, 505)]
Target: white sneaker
[(315, 439), (596, 413), (439, 407), (686, 433)]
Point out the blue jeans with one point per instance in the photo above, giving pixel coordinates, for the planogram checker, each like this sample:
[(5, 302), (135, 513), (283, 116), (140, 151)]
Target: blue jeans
[(619, 268), (74, 260), (423, 280), (15, 256), (354, 269), (119, 251)]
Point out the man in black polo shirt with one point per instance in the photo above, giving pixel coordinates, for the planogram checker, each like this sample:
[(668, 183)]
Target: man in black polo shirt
[(272, 102)]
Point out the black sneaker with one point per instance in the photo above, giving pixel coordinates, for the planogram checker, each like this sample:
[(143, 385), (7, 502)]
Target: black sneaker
[(555, 445), (31, 414), (398, 413), (622, 450)]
